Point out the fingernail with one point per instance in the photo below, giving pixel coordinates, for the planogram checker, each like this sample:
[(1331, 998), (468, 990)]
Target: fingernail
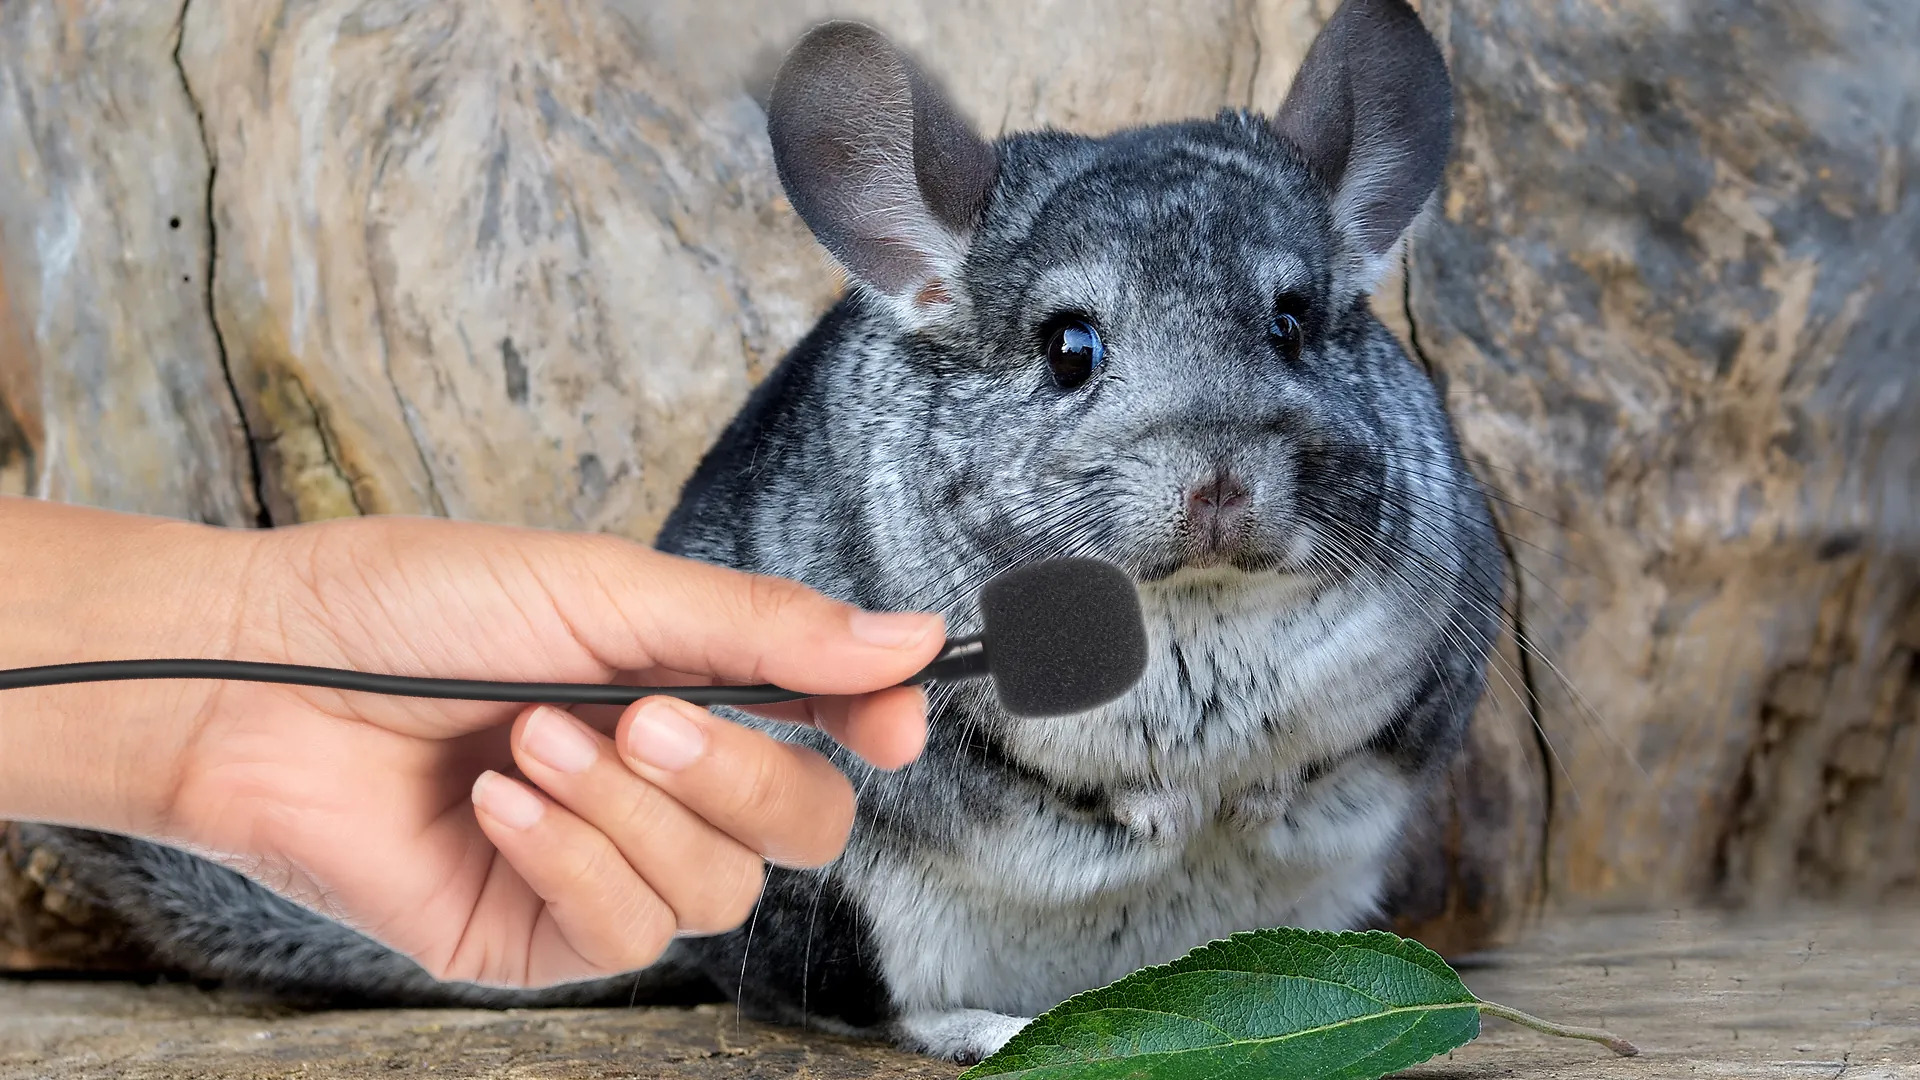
[(894, 629), (507, 802), (557, 741), (662, 735)]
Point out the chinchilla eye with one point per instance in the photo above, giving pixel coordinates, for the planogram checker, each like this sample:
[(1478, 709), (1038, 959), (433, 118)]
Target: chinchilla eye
[(1285, 333), (1074, 351)]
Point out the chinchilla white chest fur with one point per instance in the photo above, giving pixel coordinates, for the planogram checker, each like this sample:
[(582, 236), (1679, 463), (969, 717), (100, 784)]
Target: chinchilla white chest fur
[(1153, 348)]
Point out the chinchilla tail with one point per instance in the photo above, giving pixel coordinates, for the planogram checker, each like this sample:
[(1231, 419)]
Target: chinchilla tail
[(204, 921)]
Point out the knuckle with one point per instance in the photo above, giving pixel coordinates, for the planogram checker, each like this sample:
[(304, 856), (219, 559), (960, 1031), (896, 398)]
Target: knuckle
[(741, 881), (587, 869), (642, 814), (771, 599), (767, 787), (648, 935), (818, 836), (832, 824), (637, 930)]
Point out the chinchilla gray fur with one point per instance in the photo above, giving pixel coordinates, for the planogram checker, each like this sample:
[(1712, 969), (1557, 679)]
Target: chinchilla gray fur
[(1319, 570)]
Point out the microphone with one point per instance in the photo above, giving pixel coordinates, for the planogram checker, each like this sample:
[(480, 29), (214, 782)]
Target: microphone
[(1060, 636)]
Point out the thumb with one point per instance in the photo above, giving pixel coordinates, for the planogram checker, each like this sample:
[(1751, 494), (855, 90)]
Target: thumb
[(737, 627)]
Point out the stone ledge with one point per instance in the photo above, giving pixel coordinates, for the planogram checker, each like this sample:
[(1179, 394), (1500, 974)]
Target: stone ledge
[(1830, 995)]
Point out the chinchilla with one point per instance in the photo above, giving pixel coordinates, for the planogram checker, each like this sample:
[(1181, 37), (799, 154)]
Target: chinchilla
[(1155, 348)]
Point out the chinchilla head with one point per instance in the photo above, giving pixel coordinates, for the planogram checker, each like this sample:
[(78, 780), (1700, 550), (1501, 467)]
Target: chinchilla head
[(1153, 346)]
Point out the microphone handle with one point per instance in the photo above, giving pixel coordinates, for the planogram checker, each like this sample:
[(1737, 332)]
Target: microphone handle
[(963, 658)]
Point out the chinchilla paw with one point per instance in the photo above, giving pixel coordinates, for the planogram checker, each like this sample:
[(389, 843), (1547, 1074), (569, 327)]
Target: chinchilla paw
[(964, 1036)]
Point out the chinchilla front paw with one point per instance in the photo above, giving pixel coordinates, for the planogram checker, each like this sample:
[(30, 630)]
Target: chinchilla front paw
[(1158, 815), (965, 1036)]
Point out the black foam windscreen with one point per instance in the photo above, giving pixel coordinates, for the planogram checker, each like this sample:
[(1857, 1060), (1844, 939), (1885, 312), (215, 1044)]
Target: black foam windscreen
[(1063, 636)]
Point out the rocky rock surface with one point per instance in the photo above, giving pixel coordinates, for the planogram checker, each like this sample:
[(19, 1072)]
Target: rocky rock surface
[(1823, 995), (1672, 298), (518, 262)]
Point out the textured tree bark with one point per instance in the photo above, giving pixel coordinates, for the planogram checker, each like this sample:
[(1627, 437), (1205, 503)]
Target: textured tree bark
[(109, 368), (1672, 297), (518, 262)]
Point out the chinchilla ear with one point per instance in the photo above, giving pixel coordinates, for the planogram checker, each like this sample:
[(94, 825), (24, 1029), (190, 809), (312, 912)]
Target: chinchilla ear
[(1371, 110), (877, 162)]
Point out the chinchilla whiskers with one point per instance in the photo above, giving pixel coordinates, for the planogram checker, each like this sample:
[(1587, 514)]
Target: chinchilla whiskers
[(1448, 587), (1356, 546), (1439, 539), (1448, 479), (1584, 707), (1500, 667), (1470, 489), (1531, 578), (1446, 629), (746, 950), (1074, 540), (1497, 664), (1449, 627), (1041, 501), (813, 906), (1030, 527), (1434, 499), (1431, 602), (1449, 475), (1485, 463), (957, 588)]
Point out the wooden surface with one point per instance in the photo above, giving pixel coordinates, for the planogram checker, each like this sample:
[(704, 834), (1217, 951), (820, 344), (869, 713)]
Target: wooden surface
[(1823, 996), (518, 262)]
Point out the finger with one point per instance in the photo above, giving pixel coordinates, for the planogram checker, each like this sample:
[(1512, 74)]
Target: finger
[(607, 920), (690, 616), (784, 801), (709, 879), (887, 728)]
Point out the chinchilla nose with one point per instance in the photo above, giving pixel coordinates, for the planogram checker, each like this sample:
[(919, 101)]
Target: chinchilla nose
[(1217, 508)]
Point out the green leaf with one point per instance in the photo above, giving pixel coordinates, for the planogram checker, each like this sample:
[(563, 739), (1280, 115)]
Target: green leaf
[(1293, 1004)]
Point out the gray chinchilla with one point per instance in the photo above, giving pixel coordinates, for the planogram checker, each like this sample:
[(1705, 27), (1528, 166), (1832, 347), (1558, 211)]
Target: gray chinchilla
[(1154, 348)]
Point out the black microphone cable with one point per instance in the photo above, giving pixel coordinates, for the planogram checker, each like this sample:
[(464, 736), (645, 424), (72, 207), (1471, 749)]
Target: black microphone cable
[(962, 658)]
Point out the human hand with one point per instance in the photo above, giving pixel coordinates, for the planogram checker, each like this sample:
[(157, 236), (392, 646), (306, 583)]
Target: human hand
[(515, 846)]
